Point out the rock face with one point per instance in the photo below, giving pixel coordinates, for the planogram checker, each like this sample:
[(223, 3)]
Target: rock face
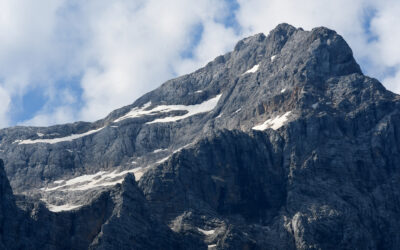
[(282, 143), (116, 219), (7, 207)]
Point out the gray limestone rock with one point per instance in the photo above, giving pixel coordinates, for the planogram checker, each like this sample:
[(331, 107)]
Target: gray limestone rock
[(282, 143)]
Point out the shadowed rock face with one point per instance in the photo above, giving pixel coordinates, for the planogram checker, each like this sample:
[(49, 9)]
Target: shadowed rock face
[(282, 143), (7, 207), (118, 218)]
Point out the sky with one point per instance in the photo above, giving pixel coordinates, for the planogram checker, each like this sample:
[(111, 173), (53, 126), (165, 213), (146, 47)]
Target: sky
[(71, 60)]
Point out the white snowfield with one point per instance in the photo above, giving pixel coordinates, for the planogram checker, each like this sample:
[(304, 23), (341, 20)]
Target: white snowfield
[(61, 139), (274, 123), (159, 150), (163, 159), (136, 112), (61, 208), (203, 107), (99, 179), (86, 182), (252, 70), (273, 58), (206, 232)]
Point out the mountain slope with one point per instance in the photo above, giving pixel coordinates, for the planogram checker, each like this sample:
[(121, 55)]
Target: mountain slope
[(282, 143)]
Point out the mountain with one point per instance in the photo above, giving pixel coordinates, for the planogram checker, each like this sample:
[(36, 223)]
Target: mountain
[(282, 143)]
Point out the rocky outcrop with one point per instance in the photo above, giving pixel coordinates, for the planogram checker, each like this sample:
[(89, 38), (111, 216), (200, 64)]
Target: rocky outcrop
[(133, 226), (118, 218)]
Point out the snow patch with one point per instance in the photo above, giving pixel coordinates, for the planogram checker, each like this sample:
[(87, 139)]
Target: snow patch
[(206, 232), (237, 111), (159, 150), (273, 58), (40, 134), (138, 175), (283, 90), (176, 151), (211, 246), (275, 123), (186, 146), (61, 208), (198, 91), (191, 110), (163, 159), (61, 139), (252, 70), (99, 179), (203, 107), (315, 105), (136, 112), (217, 178)]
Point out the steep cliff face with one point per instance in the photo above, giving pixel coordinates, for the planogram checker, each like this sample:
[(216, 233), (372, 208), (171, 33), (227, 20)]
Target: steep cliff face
[(7, 207), (133, 226), (118, 218), (279, 194), (282, 143)]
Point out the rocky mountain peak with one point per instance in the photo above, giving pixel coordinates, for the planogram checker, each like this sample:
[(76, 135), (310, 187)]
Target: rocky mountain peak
[(282, 143), (322, 50), (262, 67), (277, 78)]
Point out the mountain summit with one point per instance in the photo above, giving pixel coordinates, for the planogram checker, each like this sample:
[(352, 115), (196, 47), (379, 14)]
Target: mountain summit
[(282, 143)]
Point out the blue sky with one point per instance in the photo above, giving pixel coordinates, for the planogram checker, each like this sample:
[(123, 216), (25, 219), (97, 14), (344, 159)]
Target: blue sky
[(68, 60)]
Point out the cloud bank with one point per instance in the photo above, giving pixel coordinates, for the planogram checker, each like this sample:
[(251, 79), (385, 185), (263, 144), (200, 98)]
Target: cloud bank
[(68, 60)]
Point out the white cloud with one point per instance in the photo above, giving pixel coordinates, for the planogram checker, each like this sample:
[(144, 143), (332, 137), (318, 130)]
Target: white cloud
[(216, 40), (28, 47), (384, 26), (123, 49), (393, 82), (59, 115), (4, 107)]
